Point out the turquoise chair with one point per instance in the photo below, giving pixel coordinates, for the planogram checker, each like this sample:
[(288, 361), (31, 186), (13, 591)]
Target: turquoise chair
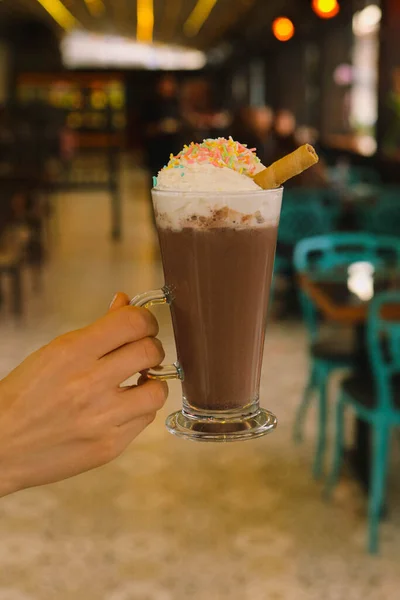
[(363, 174), (322, 252), (354, 175), (303, 215), (382, 218), (376, 400)]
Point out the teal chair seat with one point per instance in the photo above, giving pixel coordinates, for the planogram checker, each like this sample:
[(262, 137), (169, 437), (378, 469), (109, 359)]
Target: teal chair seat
[(304, 214), (326, 252), (375, 398)]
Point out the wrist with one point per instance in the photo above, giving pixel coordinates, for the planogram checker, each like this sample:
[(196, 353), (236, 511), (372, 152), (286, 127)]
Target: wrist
[(8, 484), (9, 480)]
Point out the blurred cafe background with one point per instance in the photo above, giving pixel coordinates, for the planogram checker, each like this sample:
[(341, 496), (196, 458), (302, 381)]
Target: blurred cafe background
[(94, 96)]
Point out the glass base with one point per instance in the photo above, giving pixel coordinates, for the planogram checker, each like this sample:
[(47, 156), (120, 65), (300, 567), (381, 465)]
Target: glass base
[(211, 429)]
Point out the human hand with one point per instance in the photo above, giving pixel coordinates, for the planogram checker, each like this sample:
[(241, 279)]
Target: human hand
[(63, 412)]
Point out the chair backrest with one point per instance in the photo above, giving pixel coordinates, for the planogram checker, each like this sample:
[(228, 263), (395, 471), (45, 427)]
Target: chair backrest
[(302, 194), (335, 249), (327, 251), (303, 216), (383, 339), (382, 218), (362, 174), (324, 195)]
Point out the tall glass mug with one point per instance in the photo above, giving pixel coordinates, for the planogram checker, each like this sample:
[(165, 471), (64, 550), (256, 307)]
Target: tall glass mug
[(218, 252)]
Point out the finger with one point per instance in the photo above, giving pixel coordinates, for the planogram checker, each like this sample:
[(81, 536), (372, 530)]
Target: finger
[(120, 299), (118, 327), (139, 401), (130, 359), (127, 433)]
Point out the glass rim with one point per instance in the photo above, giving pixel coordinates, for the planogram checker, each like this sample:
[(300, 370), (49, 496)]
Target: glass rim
[(196, 193)]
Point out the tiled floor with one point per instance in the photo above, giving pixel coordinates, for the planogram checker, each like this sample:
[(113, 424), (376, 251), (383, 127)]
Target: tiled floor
[(173, 520)]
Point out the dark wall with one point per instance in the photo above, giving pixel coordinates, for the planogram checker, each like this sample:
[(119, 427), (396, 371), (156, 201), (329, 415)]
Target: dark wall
[(336, 48), (286, 78), (33, 46)]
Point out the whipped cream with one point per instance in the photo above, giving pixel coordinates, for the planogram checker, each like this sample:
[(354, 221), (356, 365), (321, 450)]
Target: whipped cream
[(205, 178), (211, 185)]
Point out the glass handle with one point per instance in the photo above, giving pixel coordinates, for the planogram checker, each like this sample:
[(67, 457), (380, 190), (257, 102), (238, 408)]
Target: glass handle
[(162, 296)]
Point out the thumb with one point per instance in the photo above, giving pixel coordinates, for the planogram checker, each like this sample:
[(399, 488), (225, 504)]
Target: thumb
[(120, 299)]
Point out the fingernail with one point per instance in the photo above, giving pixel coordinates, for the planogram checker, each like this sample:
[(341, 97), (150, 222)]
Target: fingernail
[(113, 300)]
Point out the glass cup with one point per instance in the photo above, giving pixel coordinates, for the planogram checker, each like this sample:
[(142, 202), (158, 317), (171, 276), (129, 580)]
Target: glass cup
[(218, 251)]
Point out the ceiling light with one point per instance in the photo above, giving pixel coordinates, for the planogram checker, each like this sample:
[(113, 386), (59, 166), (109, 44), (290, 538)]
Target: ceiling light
[(283, 29), (145, 20), (326, 9), (198, 17), (367, 20), (59, 13), (82, 49)]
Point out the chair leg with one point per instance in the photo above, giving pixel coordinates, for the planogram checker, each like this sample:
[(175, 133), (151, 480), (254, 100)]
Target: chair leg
[(322, 423), (304, 404), (338, 448), (379, 466)]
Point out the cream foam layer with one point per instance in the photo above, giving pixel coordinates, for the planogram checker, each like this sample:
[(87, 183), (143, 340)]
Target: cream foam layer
[(205, 178), (175, 210)]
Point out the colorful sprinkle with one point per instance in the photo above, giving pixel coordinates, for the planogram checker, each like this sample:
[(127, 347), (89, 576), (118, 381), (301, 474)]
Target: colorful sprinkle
[(219, 152), (154, 181)]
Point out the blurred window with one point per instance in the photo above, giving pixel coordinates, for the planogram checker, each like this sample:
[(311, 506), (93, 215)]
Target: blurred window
[(364, 91), (350, 108)]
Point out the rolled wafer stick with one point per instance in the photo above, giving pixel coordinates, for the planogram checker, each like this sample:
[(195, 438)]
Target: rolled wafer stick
[(287, 167)]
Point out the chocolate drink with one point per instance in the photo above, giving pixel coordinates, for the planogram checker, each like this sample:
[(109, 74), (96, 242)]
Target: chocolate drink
[(220, 277)]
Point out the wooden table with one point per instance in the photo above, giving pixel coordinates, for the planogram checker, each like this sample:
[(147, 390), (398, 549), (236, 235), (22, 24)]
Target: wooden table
[(329, 291)]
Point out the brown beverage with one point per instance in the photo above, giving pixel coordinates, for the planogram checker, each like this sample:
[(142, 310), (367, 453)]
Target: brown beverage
[(220, 278), (219, 270)]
